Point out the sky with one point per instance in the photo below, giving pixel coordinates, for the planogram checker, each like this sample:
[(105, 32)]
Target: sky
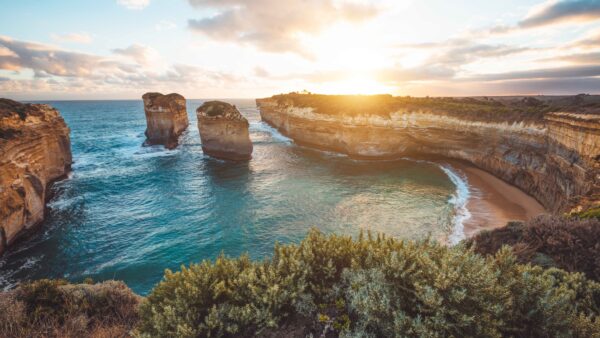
[(120, 49)]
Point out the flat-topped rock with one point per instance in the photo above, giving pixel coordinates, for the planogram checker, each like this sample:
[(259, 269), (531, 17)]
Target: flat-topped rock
[(166, 119), (35, 151), (224, 131)]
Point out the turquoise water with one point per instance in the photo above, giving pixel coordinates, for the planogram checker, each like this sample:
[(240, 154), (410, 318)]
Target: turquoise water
[(128, 212)]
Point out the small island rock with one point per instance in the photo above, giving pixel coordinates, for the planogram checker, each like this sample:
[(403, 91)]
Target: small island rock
[(166, 118), (224, 131)]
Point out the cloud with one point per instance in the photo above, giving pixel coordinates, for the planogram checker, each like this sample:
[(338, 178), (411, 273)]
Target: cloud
[(165, 25), (552, 13), (134, 4), (46, 60), (275, 25), (591, 40), (582, 58), (143, 55), (61, 71), (72, 37), (562, 11), (580, 71)]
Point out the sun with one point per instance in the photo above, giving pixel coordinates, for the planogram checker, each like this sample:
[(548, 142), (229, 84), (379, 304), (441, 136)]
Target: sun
[(353, 57)]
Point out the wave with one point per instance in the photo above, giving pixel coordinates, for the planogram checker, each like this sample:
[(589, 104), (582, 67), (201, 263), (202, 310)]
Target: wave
[(459, 200), (265, 128)]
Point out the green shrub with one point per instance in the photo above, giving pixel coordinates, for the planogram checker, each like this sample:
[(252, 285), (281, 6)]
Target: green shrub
[(371, 287)]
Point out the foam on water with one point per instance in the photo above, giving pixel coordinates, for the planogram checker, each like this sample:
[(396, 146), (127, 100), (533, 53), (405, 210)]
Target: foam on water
[(262, 127), (459, 200)]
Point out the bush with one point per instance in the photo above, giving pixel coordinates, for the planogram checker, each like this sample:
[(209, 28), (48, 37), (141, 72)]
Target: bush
[(54, 308), (371, 287), (548, 241)]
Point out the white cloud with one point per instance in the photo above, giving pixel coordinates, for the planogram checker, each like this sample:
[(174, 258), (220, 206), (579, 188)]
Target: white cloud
[(72, 37), (275, 25), (165, 25), (134, 4)]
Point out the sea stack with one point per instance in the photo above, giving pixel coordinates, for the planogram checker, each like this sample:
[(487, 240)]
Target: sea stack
[(224, 131), (35, 151), (166, 118)]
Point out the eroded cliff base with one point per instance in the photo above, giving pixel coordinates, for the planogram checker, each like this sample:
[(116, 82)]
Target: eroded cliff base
[(224, 131), (166, 119), (35, 151)]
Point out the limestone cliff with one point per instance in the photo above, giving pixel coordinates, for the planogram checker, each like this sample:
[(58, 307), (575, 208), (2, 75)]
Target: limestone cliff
[(35, 151), (166, 118), (553, 158), (224, 131)]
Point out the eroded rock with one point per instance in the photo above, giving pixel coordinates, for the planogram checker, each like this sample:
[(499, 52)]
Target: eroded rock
[(166, 118), (35, 151), (224, 131)]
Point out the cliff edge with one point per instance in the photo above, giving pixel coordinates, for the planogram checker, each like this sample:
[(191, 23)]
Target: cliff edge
[(552, 156), (35, 151)]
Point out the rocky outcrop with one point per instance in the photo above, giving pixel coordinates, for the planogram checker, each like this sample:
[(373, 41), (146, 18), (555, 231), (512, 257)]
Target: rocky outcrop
[(166, 119), (224, 131), (35, 151), (553, 159)]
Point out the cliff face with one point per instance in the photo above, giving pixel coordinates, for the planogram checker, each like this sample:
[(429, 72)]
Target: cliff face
[(166, 118), (554, 159), (224, 131), (35, 151)]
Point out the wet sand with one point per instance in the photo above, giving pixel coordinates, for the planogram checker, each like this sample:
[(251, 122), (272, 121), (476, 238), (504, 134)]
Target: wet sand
[(492, 201)]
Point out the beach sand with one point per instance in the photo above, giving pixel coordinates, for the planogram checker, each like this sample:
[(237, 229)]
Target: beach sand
[(492, 201)]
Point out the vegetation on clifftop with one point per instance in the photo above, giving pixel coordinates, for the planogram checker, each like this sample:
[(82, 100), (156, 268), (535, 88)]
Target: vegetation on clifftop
[(569, 244), (54, 308), (478, 108), (336, 286), (371, 287)]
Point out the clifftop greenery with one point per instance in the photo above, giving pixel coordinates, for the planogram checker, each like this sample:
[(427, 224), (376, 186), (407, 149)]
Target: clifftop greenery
[(332, 286), (478, 108)]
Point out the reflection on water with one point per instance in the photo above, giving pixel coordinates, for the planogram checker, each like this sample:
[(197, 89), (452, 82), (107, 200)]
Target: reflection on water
[(129, 212)]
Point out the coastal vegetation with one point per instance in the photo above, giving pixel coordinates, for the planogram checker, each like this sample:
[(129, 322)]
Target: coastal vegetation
[(547, 241), (337, 286), (55, 308), (372, 287), (528, 109)]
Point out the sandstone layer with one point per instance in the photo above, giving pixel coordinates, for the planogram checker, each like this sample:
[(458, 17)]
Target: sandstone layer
[(224, 131), (554, 159), (166, 118), (35, 151)]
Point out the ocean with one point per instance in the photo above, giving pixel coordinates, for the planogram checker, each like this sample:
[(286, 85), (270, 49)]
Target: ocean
[(129, 212)]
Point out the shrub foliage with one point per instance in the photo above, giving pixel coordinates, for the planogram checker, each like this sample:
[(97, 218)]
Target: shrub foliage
[(54, 308), (371, 287), (548, 241)]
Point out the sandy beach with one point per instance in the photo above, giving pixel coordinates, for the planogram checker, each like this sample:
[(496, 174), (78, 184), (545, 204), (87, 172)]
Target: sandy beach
[(492, 201)]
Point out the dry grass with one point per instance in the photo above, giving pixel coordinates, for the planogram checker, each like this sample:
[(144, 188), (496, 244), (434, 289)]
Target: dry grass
[(50, 308)]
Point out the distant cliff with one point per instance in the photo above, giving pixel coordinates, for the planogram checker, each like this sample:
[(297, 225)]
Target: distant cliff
[(552, 156), (35, 151)]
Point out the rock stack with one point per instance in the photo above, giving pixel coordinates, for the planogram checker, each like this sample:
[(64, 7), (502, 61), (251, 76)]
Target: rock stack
[(224, 131), (35, 151), (166, 118)]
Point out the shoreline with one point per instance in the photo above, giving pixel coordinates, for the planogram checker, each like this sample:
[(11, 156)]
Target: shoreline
[(492, 202)]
